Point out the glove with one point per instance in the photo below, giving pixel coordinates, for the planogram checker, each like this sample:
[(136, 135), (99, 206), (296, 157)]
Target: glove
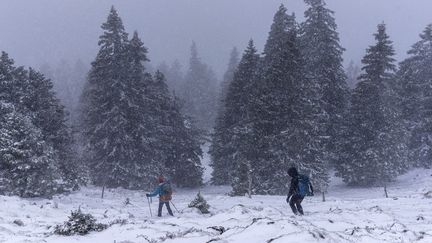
[(147, 195)]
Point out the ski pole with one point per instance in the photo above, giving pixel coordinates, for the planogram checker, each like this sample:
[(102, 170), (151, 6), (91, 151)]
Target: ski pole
[(174, 207), (148, 200)]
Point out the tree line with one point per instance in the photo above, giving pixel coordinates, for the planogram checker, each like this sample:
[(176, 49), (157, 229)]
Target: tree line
[(289, 106), (36, 146), (292, 106), (131, 127)]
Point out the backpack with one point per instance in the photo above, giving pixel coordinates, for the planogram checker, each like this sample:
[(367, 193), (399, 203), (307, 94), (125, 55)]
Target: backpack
[(303, 186), (166, 192)]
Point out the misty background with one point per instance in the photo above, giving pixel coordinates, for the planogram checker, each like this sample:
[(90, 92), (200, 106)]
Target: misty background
[(48, 31)]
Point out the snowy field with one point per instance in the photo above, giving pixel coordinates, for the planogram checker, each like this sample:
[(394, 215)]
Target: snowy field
[(348, 215)]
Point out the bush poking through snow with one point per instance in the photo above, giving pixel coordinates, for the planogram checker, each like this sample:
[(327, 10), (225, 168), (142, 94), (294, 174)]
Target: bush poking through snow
[(127, 202), (219, 229), (79, 223), (18, 222), (200, 203)]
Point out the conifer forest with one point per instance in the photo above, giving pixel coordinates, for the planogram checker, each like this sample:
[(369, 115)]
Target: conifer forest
[(102, 102)]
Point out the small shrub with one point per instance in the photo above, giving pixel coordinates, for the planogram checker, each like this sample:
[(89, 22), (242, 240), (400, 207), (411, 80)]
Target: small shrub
[(127, 202), (79, 223), (200, 203), (18, 222)]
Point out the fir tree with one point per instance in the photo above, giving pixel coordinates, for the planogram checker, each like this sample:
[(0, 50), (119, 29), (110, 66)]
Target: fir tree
[(6, 78), (28, 165), (200, 92), (132, 129), (221, 170), (50, 117), (226, 140), (184, 160), (288, 111), (374, 149), (324, 65), (44, 153), (200, 203), (229, 74), (415, 78), (141, 117), (173, 74), (275, 93), (178, 142), (107, 105)]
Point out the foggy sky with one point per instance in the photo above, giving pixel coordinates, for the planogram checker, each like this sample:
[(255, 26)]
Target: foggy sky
[(34, 32)]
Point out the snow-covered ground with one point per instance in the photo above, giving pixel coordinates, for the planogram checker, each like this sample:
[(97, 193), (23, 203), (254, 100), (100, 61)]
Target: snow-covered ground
[(348, 215)]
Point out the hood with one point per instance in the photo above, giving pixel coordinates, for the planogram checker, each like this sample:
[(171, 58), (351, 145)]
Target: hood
[(292, 172)]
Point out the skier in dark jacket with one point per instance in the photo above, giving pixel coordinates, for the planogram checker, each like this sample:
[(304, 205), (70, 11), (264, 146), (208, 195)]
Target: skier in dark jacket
[(294, 198), (164, 195)]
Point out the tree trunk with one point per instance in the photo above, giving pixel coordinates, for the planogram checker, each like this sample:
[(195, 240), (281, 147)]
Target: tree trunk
[(323, 197), (385, 191), (103, 191), (249, 174)]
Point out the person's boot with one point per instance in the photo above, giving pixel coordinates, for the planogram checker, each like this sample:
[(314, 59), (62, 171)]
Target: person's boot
[(169, 209), (160, 209), (300, 210), (293, 208)]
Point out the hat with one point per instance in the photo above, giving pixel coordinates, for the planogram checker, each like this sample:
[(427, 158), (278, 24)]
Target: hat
[(161, 179)]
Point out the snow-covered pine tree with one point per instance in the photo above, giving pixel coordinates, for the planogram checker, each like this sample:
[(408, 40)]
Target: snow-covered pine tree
[(178, 141), (415, 78), (132, 129), (227, 79), (231, 142), (186, 169), (6, 78), (142, 115), (274, 94), (288, 112), (374, 152), (322, 51), (221, 172), (200, 203), (35, 108), (49, 116), (173, 74), (109, 101), (229, 73), (27, 163), (199, 92)]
